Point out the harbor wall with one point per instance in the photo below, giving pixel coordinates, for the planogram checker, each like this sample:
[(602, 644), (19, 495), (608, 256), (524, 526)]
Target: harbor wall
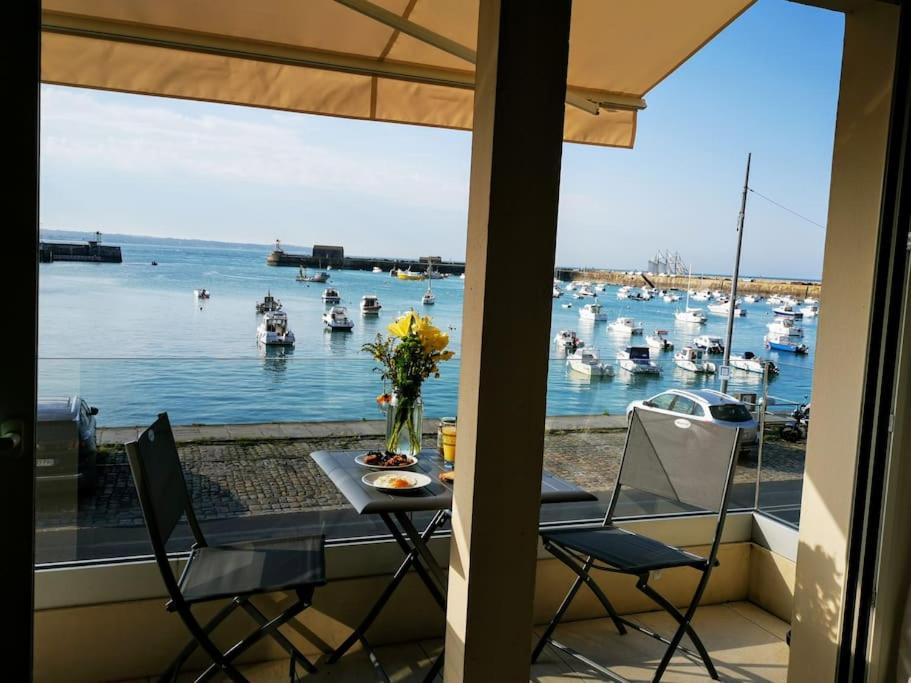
[(282, 258), (764, 286), (48, 252)]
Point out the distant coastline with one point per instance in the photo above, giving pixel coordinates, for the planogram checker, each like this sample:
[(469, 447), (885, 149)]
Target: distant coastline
[(80, 235)]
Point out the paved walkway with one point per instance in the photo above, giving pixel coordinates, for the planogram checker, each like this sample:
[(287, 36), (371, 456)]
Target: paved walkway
[(248, 470)]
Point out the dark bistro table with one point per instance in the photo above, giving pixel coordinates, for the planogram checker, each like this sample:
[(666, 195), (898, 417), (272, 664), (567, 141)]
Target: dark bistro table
[(394, 509)]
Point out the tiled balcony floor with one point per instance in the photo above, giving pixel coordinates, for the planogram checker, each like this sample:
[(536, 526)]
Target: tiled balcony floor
[(746, 644)]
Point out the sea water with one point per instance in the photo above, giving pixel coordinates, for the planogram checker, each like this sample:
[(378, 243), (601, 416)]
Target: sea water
[(133, 340)]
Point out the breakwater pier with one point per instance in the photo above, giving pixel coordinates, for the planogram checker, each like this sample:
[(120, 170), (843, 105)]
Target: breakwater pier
[(324, 256), (92, 251), (745, 285)]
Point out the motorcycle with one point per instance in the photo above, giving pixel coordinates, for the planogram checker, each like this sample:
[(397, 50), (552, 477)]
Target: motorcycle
[(797, 429)]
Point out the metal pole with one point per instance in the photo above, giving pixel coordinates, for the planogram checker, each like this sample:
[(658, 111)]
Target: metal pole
[(762, 412), (732, 304)]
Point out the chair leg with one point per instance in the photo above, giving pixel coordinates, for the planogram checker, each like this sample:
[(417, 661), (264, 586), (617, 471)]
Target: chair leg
[(683, 625), (220, 662), (278, 636), (584, 572), (173, 670), (555, 620)]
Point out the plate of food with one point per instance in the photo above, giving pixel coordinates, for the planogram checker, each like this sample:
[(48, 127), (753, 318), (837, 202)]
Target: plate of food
[(397, 480), (384, 460)]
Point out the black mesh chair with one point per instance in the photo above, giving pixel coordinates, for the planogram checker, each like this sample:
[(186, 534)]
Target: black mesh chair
[(681, 460), (233, 572)]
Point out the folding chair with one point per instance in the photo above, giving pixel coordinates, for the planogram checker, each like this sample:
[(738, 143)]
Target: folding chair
[(235, 572), (675, 458)]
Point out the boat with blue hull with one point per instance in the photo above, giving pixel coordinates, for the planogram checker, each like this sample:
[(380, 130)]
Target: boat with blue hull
[(780, 342)]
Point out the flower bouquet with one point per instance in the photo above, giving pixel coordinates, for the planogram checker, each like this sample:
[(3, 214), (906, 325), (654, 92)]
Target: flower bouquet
[(409, 355)]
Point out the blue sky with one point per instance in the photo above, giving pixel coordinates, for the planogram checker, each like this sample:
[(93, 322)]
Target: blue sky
[(768, 84)]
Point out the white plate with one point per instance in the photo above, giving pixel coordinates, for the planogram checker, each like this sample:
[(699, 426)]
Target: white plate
[(360, 461), (418, 480)]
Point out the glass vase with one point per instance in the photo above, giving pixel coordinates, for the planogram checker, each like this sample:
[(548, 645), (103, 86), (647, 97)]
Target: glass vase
[(404, 424)]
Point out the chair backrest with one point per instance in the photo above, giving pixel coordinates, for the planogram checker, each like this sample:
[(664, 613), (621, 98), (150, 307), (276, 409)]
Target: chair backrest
[(679, 459), (160, 483)]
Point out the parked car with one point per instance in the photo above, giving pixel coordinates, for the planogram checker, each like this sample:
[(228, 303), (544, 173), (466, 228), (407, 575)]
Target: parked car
[(704, 405), (66, 449)]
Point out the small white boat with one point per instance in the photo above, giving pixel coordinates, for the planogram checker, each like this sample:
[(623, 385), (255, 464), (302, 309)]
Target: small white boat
[(557, 293), (658, 340), (750, 362), (593, 312), (319, 276), (671, 298), (201, 293), (637, 360), (570, 286), (788, 311), (690, 315), (752, 298), (331, 296), (693, 360), (587, 362), (625, 325), (273, 330), (370, 304), (810, 311), (462, 276), (780, 342), (811, 301), (568, 340), (701, 296), (377, 269), (624, 292), (428, 299), (709, 343), (586, 291), (785, 327), (336, 319), (775, 300), (724, 307), (566, 305), (599, 288)]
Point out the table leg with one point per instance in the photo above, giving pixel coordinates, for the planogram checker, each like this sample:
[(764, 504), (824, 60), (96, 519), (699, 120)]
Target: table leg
[(410, 558), (421, 546)]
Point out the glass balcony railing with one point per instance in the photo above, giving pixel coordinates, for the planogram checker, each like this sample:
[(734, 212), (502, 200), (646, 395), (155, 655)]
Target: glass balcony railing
[(246, 427)]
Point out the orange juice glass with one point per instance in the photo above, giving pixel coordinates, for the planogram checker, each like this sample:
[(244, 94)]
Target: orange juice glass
[(449, 445)]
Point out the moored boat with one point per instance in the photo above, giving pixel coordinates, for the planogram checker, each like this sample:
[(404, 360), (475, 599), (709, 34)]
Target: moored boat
[(625, 325), (693, 360), (337, 320), (331, 296), (587, 362), (709, 343), (690, 315), (568, 340), (785, 327), (593, 312), (637, 360), (370, 304), (273, 330), (787, 311), (658, 340), (750, 362), (202, 293), (810, 310), (269, 303), (780, 342)]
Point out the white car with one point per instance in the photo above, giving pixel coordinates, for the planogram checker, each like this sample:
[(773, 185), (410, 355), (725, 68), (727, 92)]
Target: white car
[(705, 405)]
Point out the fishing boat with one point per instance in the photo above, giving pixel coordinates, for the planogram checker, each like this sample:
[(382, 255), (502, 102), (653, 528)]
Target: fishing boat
[(811, 301), (337, 320), (637, 360), (671, 298), (587, 362), (780, 342), (586, 291), (269, 303), (709, 343), (273, 330), (593, 312), (810, 311), (154, 263), (428, 299), (319, 276), (750, 362), (752, 298), (624, 292), (202, 293), (370, 304), (658, 340), (331, 296), (568, 340), (625, 325), (408, 275), (557, 293), (787, 311), (785, 327), (693, 360)]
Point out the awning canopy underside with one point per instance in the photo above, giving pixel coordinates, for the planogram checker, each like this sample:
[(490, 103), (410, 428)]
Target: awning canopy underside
[(405, 61)]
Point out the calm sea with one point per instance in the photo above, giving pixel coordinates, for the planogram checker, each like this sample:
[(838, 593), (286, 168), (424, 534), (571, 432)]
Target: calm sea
[(133, 341)]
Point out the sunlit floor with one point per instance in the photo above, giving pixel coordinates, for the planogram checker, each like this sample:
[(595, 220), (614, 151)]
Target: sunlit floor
[(746, 644)]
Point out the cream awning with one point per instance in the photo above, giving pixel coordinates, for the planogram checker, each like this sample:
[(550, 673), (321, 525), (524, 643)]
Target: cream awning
[(406, 61)]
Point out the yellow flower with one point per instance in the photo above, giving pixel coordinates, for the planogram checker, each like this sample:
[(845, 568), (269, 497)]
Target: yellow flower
[(432, 339), (401, 327), (446, 355)]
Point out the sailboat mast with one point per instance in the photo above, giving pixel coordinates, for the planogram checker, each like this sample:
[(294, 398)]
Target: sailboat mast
[(733, 302)]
